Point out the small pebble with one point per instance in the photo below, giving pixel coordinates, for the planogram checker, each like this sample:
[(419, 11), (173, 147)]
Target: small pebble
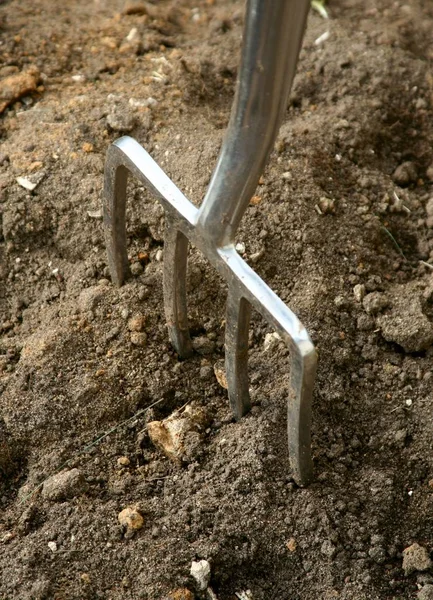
[(359, 292), (139, 338), (326, 205), (200, 571), (203, 345), (130, 518), (220, 374), (123, 461), (52, 546), (121, 119), (175, 436), (137, 322), (26, 183), (133, 36), (405, 174), (271, 340), (64, 485)]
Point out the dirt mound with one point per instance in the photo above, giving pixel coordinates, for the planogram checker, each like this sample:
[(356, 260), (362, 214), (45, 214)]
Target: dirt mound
[(340, 227)]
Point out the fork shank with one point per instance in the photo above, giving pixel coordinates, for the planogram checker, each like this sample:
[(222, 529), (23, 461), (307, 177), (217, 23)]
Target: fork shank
[(116, 180), (238, 314), (272, 40), (175, 301)]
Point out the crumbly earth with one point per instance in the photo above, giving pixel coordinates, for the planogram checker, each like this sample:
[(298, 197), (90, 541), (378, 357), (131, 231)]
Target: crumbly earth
[(341, 227)]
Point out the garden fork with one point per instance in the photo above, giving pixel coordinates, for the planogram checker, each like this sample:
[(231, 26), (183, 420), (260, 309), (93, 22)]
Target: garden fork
[(273, 34)]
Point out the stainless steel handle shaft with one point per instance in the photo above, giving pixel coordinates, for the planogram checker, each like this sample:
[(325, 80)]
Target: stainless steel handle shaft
[(273, 34)]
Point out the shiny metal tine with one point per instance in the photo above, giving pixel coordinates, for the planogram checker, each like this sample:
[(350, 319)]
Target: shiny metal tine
[(303, 360), (175, 299), (116, 176), (302, 375), (238, 314)]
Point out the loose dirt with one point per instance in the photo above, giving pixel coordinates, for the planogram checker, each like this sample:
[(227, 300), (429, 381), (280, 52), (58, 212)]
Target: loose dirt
[(341, 227)]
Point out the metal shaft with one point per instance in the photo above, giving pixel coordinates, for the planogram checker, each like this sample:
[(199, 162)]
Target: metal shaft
[(272, 39)]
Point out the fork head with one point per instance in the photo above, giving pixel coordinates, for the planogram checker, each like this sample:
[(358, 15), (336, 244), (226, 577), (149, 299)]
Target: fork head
[(245, 290)]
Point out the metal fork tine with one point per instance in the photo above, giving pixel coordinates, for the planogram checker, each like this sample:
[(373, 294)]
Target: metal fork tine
[(114, 223), (175, 301), (302, 374), (238, 314)]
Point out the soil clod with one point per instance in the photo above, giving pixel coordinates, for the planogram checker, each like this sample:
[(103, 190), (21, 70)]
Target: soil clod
[(416, 558)]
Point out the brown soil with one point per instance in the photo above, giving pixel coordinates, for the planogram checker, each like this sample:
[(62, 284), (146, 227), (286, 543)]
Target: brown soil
[(343, 210)]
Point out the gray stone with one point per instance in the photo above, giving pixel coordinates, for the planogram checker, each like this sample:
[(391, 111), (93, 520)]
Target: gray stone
[(121, 119), (203, 345), (64, 485)]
